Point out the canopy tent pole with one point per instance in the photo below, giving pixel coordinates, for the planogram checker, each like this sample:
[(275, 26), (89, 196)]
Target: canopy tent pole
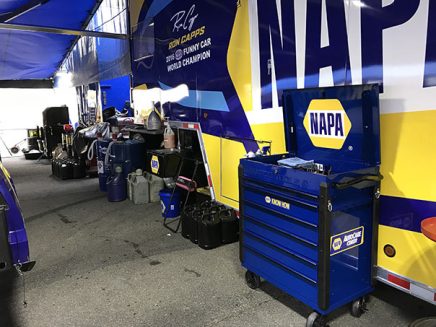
[(61, 31)]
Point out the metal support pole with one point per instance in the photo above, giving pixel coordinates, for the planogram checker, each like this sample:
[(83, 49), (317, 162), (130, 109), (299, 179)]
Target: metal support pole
[(61, 31)]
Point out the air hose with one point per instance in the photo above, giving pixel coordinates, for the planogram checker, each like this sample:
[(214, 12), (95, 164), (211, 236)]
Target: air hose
[(108, 154), (91, 150)]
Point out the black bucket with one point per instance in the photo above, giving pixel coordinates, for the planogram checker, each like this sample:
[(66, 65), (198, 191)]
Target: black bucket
[(195, 221), (208, 206), (187, 221), (205, 205), (56, 164), (209, 231), (79, 169), (65, 169), (217, 208), (53, 167), (229, 226)]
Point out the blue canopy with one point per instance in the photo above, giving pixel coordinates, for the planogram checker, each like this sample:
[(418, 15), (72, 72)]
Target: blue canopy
[(36, 55)]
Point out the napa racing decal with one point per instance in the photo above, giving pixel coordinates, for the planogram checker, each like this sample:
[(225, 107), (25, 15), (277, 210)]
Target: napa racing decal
[(327, 123), (154, 164), (277, 203), (346, 240)]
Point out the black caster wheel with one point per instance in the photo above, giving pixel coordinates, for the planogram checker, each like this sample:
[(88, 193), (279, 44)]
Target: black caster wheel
[(252, 280), (316, 320), (358, 307)]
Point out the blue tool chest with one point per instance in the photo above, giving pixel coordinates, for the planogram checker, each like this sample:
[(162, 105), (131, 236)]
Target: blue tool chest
[(311, 230)]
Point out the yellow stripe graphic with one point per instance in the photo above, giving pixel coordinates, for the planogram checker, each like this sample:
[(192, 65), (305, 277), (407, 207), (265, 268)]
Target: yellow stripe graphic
[(239, 56), (415, 256), (408, 155)]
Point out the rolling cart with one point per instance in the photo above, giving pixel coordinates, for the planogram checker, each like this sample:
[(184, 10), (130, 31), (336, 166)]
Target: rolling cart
[(309, 217)]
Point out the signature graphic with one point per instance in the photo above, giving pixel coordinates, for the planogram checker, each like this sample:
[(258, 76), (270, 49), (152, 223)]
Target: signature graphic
[(184, 19)]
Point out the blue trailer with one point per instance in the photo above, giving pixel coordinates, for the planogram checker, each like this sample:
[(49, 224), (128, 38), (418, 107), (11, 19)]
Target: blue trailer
[(310, 228)]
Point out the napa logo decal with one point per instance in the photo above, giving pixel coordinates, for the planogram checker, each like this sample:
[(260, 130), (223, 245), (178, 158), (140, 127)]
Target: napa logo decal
[(277, 203), (346, 240), (327, 123), (154, 164)]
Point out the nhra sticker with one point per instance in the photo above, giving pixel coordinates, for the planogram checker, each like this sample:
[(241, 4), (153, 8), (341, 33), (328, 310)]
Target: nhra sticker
[(277, 203), (100, 167), (346, 240), (154, 164), (327, 123)]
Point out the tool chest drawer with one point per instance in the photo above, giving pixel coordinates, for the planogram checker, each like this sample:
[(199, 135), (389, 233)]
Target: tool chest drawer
[(274, 201), (295, 228), (285, 256)]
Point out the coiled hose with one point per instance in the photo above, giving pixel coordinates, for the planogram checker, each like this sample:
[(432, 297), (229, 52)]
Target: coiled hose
[(91, 150), (108, 154)]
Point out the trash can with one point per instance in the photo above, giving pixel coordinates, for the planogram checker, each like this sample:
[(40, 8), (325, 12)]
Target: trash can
[(170, 206)]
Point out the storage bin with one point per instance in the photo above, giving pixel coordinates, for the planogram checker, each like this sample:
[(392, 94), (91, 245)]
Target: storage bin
[(163, 163)]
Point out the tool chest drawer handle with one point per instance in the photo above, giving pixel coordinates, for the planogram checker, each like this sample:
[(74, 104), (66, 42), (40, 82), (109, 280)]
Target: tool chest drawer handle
[(250, 182), (367, 178)]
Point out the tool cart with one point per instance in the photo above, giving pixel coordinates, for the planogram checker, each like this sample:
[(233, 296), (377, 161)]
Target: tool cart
[(309, 217)]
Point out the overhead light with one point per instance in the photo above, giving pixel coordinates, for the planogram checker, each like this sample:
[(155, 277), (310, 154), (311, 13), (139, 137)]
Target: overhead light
[(358, 3)]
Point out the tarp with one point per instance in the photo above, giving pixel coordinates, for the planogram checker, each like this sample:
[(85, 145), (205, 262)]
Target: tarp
[(9, 6), (31, 55), (96, 59)]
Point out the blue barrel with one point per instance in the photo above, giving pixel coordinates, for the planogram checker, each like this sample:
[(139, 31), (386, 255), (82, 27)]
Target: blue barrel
[(130, 154), (116, 188), (172, 208), (103, 172)]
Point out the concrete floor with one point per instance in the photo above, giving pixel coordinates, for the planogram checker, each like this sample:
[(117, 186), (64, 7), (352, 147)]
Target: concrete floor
[(113, 264)]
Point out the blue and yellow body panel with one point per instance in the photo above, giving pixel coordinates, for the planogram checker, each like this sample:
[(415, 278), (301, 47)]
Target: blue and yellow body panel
[(260, 48), (408, 194)]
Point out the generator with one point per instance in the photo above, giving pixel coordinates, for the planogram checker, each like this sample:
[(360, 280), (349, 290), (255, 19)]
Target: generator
[(309, 217)]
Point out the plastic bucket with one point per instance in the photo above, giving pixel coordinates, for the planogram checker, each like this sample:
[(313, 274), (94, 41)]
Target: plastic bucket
[(170, 209)]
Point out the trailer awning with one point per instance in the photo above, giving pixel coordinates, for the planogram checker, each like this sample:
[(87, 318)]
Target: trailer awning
[(37, 54)]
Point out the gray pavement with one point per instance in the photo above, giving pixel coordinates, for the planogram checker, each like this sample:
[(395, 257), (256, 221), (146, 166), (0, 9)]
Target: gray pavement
[(113, 264)]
